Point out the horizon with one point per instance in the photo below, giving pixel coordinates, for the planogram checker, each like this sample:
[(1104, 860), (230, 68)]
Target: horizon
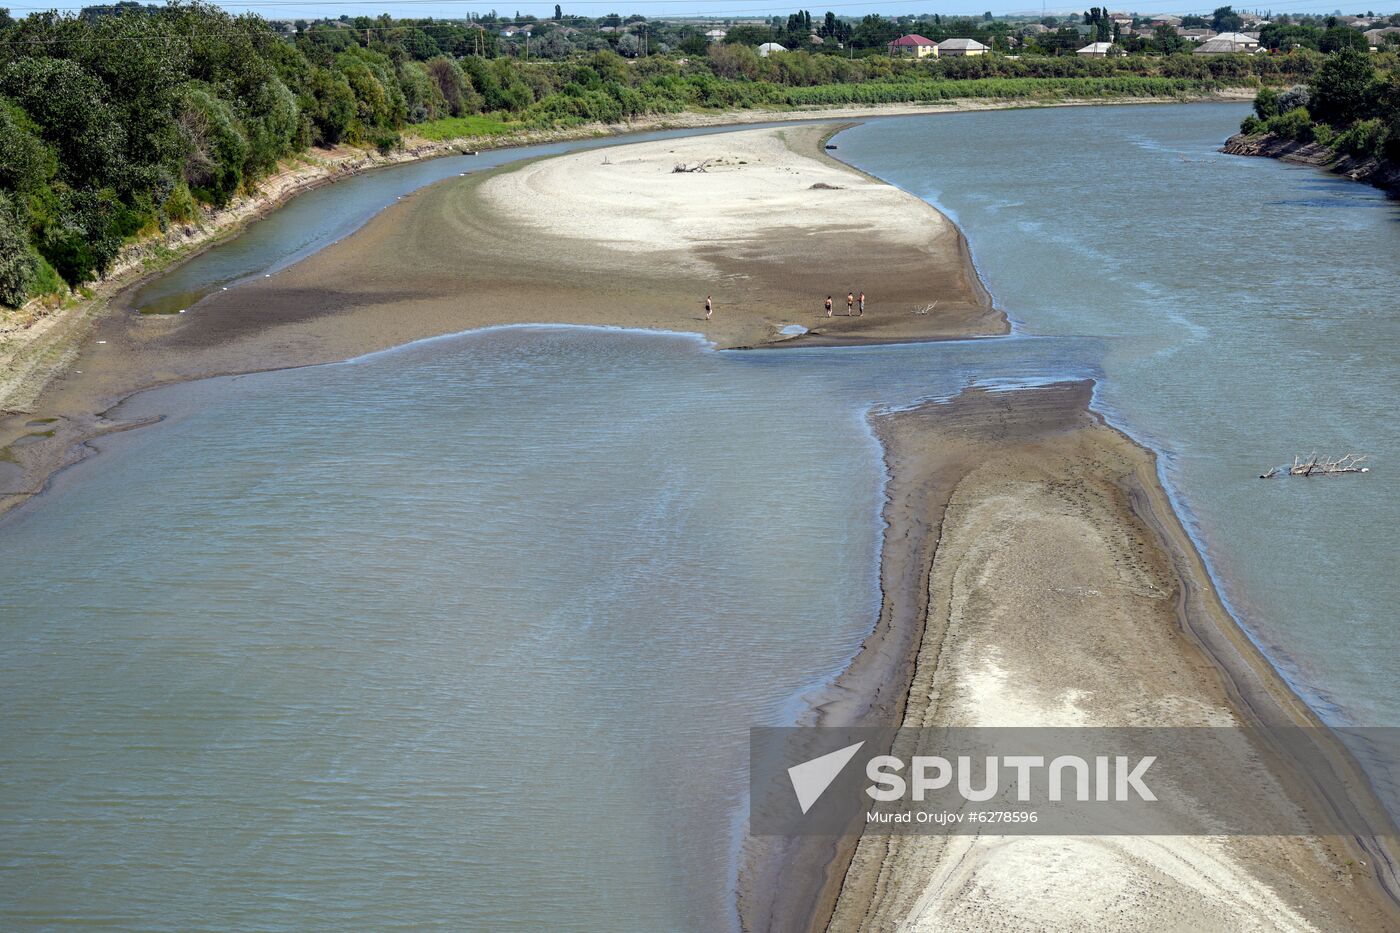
[(691, 9)]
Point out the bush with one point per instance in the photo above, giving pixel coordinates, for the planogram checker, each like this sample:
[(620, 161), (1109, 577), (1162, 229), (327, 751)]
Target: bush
[(1295, 124), (1293, 98), (1364, 138), (17, 263), (214, 144), (1266, 103), (1252, 125)]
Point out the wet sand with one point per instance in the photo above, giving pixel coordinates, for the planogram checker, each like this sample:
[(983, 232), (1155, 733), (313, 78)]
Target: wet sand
[(1034, 574)]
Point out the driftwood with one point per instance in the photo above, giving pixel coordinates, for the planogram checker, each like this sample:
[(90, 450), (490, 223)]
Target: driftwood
[(1319, 466), (697, 167), (926, 308)]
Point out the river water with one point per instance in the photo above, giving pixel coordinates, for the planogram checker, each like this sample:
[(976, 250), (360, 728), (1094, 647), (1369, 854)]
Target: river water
[(469, 634)]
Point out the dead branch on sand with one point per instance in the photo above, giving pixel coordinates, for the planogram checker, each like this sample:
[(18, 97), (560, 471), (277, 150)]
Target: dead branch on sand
[(681, 167), (1319, 466), (926, 308)]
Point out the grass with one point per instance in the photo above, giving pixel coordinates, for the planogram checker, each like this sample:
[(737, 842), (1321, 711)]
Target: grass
[(454, 127)]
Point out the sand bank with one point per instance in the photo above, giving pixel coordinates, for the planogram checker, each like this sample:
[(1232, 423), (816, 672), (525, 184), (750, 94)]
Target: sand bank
[(607, 236), (1035, 575)]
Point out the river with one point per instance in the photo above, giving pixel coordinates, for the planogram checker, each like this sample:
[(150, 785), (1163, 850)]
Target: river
[(469, 634)]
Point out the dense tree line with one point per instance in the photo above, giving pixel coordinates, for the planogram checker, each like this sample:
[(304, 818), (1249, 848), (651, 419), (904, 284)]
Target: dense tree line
[(120, 120), (1351, 104)]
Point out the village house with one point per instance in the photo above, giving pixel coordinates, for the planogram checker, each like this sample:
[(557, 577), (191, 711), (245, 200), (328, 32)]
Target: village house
[(768, 48), (1246, 41), (716, 35), (914, 46), (1099, 50), (1375, 38), (1165, 20), (1035, 29), (961, 48), (1223, 46)]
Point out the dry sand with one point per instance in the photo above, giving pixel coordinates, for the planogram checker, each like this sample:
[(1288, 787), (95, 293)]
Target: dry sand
[(1052, 585)]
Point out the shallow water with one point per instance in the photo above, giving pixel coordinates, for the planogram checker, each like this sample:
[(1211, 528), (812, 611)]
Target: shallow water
[(469, 634), (1250, 311)]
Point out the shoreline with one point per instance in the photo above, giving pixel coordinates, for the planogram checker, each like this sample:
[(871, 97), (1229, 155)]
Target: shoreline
[(1376, 172), (930, 451), (904, 644)]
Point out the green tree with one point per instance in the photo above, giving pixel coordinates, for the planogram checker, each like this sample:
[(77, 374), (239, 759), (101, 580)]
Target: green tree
[(1340, 89), (17, 263), (1225, 19), (1266, 103)]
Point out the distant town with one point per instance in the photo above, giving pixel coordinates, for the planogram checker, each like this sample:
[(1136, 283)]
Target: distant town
[(1095, 33)]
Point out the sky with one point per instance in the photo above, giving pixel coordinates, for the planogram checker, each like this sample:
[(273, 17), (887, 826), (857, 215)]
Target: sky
[(731, 9)]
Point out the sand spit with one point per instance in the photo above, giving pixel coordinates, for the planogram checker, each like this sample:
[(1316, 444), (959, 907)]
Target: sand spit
[(607, 236), (1055, 587)]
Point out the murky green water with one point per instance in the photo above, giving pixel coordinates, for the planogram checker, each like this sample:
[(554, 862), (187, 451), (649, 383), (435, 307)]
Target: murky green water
[(469, 635)]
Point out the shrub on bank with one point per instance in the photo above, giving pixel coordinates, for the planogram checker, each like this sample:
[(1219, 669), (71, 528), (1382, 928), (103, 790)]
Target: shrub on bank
[(1364, 139)]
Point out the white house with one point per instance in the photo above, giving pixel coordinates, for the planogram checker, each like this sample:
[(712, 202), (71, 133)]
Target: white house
[(1222, 46), (1246, 42), (768, 48), (1099, 50), (716, 35), (961, 48)]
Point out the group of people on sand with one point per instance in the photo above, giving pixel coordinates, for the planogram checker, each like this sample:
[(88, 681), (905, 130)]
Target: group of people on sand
[(852, 302), (855, 305)]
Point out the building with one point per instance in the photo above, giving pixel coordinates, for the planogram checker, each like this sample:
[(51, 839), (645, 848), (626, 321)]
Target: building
[(961, 48), (914, 46), (768, 48), (1166, 20), (1035, 29), (716, 35), (1375, 38), (1099, 50), (1247, 41), (1220, 46), (1196, 35)]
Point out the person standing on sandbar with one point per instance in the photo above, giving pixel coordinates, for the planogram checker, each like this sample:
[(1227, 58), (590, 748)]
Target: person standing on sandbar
[(862, 305), (828, 306), (709, 307), (850, 303)]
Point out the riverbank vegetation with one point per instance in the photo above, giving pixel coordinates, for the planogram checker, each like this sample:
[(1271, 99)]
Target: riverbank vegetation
[(118, 121), (1351, 106)]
